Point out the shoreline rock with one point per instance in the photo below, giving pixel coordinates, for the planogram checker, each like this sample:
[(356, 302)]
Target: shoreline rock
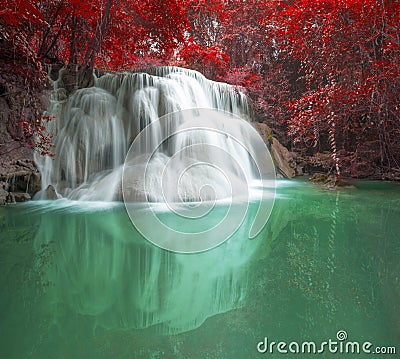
[(20, 180), (331, 182)]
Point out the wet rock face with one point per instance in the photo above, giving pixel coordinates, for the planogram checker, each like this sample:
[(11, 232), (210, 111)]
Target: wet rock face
[(20, 98), (20, 177), (14, 197), (284, 161), (3, 194), (72, 79), (320, 162), (19, 181), (7, 196), (50, 193), (18, 172)]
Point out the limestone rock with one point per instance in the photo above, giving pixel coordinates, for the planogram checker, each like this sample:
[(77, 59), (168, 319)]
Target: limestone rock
[(18, 172), (3, 196), (264, 131), (21, 196), (73, 78), (10, 197), (19, 176), (320, 162), (283, 159), (4, 185), (50, 192), (331, 182)]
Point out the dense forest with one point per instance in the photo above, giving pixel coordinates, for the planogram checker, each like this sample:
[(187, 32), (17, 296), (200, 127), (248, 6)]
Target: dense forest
[(323, 74)]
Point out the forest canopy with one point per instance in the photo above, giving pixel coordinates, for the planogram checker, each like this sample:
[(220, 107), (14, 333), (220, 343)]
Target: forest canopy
[(323, 74)]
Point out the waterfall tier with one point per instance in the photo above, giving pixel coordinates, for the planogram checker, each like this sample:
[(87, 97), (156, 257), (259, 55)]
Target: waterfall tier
[(94, 128)]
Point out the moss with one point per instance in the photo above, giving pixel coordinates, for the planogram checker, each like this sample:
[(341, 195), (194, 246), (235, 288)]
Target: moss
[(320, 178), (329, 181), (268, 134)]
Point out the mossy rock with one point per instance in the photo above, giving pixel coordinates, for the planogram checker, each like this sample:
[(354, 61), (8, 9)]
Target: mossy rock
[(330, 181), (320, 178)]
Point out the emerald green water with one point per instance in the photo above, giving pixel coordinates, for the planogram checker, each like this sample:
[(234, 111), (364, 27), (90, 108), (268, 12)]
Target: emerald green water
[(77, 281)]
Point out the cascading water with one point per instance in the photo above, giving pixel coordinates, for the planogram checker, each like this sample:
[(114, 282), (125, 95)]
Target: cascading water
[(94, 128)]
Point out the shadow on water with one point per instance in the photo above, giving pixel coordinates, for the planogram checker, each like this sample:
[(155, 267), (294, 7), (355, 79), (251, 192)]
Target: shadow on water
[(78, 281)]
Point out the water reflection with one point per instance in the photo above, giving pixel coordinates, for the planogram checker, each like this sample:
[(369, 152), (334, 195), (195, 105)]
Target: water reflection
[(334, 266), (93, 288), (101, 267)]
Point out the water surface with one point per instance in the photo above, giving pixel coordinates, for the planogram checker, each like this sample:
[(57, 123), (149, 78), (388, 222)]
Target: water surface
[(78, 281)]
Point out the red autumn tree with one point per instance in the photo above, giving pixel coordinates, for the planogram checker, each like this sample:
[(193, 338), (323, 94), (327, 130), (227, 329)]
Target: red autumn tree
[(78, 34), (251, 31), (349, 55), (113, 33), (334, 62), (235, 41), (143, 33), (202, 50)]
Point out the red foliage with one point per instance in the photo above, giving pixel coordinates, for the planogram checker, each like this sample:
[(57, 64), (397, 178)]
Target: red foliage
[(210, 61), (326, 71), (15, 13), (143, 33), (113, 34), (349, 54), (36, 135), (244, 34)]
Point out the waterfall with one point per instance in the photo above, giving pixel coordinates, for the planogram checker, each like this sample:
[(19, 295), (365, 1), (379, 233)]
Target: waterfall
[(94, 127)]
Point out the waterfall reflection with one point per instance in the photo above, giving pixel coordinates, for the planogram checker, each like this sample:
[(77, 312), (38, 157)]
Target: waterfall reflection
[(99, 266)]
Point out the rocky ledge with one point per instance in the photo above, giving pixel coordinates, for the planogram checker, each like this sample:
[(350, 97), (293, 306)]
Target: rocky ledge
[(19, 181), (284, 160), (20, 98), (331, 182)]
